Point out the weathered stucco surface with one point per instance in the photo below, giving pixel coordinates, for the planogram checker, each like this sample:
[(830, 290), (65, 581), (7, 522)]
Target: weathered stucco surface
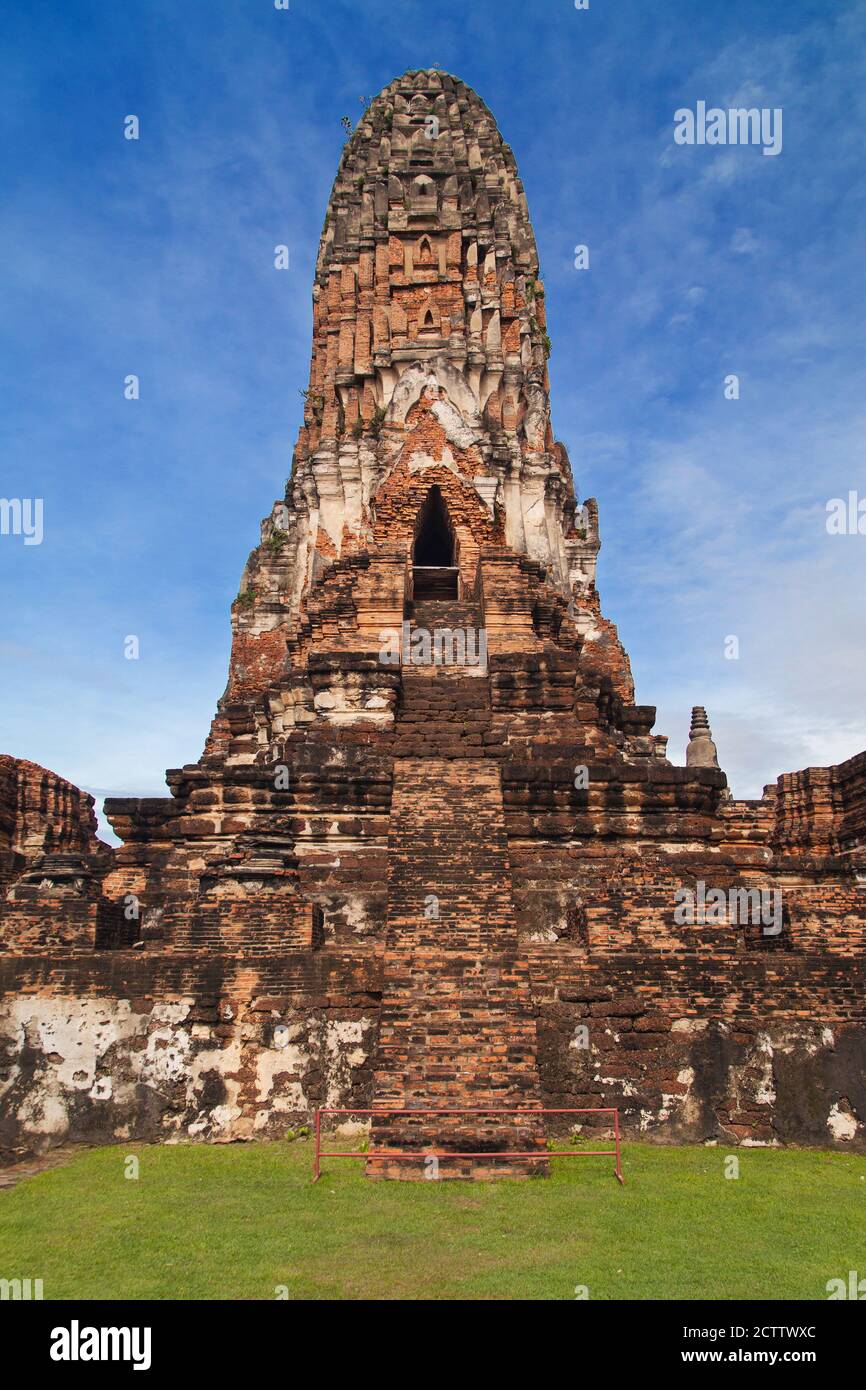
[(97, 1070)]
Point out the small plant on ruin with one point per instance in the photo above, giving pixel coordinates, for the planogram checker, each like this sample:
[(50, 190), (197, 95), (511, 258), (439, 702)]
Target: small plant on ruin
[(531, 290), (547, 344), (276, 540), (316, 404), (383, 120), (358, 429), (377, 421), (246, 598), (346, 123)]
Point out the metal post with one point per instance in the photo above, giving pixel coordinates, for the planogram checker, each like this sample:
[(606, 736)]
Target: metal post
[(316, 1164), (618, 1169)]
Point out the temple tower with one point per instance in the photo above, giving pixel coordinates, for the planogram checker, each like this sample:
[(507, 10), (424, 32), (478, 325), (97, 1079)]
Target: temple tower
[(427, 411), (432, 857), (421, 609)]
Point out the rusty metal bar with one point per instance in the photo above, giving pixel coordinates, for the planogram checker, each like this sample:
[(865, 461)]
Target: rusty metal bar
[(618, 1169), (402, 1156), (317, 1165)]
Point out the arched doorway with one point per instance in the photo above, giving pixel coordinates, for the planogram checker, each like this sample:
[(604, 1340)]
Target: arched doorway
[(434, 573)]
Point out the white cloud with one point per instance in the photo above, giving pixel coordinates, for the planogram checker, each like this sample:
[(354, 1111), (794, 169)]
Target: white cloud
[(744, 242)]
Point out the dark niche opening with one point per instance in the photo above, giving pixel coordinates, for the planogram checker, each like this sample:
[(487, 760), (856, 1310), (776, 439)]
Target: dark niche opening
[(318, 938), (434, 574)]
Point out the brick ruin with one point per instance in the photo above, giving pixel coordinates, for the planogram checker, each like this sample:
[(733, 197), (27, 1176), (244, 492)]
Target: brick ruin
[(433, 854)]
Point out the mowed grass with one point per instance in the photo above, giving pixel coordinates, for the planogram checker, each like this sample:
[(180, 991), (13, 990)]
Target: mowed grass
[(236, 1221)]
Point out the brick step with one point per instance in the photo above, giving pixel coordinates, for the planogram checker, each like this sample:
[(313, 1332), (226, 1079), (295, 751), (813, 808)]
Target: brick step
[(467, 695), (457, 1027), (433, 613), (446, 719)]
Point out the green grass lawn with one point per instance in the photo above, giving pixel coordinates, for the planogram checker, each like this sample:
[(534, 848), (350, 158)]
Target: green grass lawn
[(236, 1221)]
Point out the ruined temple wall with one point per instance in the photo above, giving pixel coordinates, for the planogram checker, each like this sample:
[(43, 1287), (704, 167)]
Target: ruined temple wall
[(41, 812), (698, 1031), (754, 1049), (102, 1048), (697, 1048), (708, 1032), (851, 778), (823, 808), (8, 802)]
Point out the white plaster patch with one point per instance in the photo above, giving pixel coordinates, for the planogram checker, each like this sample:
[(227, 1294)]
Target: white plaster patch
[(44, 1113), (272, 1063), (841, 1123), (343, 1049), (292, 1101), (166, 1056), (420, 461), (73, 1035), (455, 427), (355, 909), (350, 1128)]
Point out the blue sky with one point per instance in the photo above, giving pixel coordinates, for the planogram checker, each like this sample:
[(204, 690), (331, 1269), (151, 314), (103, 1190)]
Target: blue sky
[(155, 257)]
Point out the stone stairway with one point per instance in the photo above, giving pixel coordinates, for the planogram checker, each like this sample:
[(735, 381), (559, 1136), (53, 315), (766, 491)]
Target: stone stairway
[(432, 613), (442, 714), (457, 1025)]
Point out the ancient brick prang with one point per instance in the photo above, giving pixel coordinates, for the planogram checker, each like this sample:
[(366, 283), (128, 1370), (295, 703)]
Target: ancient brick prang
[(429, 369), (433, 854)]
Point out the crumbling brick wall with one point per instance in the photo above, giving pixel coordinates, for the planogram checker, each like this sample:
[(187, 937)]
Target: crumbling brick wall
[(42, 813)]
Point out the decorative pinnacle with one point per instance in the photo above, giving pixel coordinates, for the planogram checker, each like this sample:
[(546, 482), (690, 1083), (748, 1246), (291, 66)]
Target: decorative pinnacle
[(700, 722), (701, 751)]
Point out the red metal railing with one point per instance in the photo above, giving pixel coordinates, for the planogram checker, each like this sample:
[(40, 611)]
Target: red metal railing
[(402, 1154)]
